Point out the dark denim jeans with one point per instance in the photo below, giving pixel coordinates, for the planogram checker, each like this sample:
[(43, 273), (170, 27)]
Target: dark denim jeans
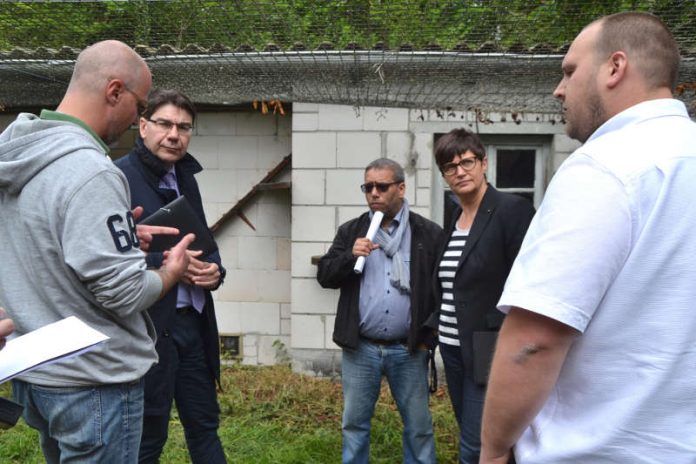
[(91, 424), (467, 402), (407, 374)]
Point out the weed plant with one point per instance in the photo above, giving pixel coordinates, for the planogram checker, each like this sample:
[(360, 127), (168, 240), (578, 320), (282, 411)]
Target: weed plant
[(272, 415)]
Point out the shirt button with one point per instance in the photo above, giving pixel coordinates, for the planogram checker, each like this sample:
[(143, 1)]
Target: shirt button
[(387, 311)]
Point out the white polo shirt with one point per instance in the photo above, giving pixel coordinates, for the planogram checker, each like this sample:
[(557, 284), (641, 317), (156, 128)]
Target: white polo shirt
[(612, 253)]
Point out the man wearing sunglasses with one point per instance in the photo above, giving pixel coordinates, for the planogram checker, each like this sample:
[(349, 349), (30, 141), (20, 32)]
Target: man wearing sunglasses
[(159, 169), (383, 312)]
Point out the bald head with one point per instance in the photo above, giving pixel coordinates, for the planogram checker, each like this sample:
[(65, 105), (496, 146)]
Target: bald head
[(647, 42), (106, 60), (108, 88)]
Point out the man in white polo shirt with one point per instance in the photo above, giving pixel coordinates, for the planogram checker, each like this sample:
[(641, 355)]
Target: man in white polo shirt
[(595, 361)]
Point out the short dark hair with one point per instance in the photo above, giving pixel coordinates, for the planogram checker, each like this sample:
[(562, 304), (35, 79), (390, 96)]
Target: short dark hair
[(646, 38), (457, 142), (161, 97), (386, 163)]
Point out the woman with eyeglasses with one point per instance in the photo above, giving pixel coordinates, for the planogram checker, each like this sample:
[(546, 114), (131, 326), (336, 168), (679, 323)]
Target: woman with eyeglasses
[(485, 235)]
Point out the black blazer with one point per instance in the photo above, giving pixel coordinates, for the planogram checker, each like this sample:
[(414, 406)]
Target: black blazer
[(494, 240), (143, 171)]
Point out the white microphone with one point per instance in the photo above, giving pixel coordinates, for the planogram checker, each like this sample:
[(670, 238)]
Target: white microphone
[(371, 232)]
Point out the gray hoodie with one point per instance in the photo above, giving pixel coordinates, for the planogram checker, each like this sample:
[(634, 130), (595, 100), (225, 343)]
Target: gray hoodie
[(68, 247)]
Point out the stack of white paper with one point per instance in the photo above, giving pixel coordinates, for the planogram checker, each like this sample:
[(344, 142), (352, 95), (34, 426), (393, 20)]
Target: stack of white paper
[(48, 344)]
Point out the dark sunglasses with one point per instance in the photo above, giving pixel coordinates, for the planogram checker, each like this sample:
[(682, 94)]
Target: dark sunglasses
[(381, 186)]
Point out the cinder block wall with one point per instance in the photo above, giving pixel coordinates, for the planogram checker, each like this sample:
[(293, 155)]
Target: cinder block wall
[(237, 149), (331, 146)]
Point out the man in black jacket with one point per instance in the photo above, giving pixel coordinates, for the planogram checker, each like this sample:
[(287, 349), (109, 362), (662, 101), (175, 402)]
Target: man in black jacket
[(159, 169), (382, 313)]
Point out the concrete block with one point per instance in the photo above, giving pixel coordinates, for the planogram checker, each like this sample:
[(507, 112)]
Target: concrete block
[(274, 286), (285, 310), (314, 150), (424, 178), (256, 124), (305, 122), (216, 187), (238, 152), (205, 150), (227, 315), (273, 349), (285, 327), (346, 213), (302, 258), (357, 149), (235, 226), (228, 251), (272, 149), (283, 246), (399, 147), (309, 298), (307, 331), (423, 147), (273, 219), (257, 253), (385, 119), (343, 187), (298, 107), (222, 123), (245, 180), (313, 223), (260, 318), (423, 197), (339, 118), (329, 323), (239, 285), (308, 186)]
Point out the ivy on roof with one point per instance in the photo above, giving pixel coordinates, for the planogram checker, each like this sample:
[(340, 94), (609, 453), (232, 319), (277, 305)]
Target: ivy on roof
[(351, 24)]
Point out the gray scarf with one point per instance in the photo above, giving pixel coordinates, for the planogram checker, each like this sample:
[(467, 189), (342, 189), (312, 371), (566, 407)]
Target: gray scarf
[(390, 244)]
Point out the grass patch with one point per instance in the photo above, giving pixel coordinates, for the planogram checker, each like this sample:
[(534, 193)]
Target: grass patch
[(272, 415)]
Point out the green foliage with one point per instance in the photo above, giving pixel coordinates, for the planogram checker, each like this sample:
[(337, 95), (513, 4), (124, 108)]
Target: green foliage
[(271, 415), (312, 22)]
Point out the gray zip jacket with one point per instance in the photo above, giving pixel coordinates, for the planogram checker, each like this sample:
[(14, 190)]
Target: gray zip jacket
[(68, 247)]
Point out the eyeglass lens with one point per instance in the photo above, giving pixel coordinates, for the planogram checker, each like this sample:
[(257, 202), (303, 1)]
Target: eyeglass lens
[(466, 164), (167, 125), (382, 187)]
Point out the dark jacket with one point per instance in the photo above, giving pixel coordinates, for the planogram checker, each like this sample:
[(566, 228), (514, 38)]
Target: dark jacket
[(495, 237), (144, 171), (336, 271)]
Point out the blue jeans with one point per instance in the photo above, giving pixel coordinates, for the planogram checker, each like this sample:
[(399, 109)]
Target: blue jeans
[(85, 424), (182, 376), (407, 374), (467, 402)]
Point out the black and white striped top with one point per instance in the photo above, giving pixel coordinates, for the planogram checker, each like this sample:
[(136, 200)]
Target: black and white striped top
[(448, 332)]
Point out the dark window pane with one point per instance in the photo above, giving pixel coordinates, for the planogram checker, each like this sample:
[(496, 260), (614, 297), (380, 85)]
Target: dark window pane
[(515, 168)]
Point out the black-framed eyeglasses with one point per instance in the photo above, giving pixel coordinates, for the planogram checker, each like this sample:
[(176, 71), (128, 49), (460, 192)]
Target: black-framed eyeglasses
[(166, 125), (466, 164), (381, 186), (141, 104)]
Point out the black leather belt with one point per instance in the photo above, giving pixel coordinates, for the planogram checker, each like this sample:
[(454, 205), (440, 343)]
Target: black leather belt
[(377, 341), (187, 310)]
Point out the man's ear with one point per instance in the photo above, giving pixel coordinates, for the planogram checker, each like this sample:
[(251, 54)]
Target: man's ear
[(113, 91), (618, 63)]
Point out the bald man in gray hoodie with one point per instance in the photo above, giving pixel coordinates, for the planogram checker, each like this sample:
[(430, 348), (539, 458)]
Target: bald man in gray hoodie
[(70, 247)]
